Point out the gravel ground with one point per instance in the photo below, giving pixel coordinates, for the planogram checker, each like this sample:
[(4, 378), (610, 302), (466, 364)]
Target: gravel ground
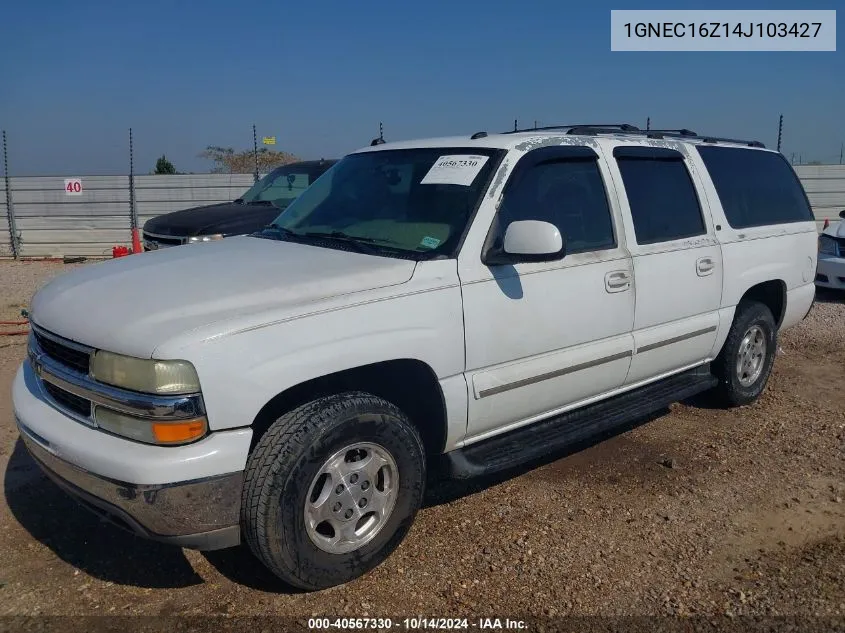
[(701, 512)]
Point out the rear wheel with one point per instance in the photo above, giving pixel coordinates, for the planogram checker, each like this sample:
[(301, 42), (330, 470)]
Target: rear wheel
[(745, 362), (332, 488)]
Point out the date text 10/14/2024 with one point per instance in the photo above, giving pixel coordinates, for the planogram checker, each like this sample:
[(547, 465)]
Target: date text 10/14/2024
[(417, 623)]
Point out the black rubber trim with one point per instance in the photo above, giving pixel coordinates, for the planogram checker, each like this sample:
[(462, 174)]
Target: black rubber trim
[(541, 438), (646, 153)]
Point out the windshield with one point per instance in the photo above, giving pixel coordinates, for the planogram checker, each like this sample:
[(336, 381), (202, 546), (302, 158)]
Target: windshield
[(282, 185), (411, 202)]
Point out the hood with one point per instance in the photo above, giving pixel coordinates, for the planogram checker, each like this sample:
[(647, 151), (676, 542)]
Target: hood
[(133, 304), (228, 218)]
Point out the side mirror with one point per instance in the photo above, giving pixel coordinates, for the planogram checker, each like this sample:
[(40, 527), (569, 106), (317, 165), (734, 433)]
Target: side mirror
[(842, 214), (528, 241)]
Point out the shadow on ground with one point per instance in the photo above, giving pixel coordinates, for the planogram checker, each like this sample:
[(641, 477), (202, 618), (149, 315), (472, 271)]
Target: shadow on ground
[(828, 295), (80, 539)]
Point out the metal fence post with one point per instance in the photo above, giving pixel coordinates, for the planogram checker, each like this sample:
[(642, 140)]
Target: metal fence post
[(10, 207), (133, 211), (255, 151)]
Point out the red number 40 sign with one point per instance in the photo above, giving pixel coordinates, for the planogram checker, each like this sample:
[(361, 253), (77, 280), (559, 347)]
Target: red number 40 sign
[(73, 186)]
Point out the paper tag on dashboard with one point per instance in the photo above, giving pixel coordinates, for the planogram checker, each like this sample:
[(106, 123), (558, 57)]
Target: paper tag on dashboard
[(458, 169)]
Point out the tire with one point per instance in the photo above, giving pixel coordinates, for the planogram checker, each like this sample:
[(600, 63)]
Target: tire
[(285, 469), (734, 388)]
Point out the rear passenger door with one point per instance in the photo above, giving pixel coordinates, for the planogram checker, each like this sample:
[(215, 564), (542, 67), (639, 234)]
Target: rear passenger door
[(677, 260)]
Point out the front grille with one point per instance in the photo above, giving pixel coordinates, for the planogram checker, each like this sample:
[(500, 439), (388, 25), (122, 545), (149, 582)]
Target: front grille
[(68, 400), (153, 242), (64, 354)]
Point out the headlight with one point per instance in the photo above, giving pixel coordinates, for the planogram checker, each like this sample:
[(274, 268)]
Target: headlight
[(144, 375), (205, 238), (150, 431), (828, 246)]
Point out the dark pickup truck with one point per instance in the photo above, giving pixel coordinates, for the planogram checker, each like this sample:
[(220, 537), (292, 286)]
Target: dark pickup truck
[(254, 210)]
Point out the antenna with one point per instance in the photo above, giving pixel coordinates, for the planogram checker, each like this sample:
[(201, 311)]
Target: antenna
[(515, 126), (780, 130), (648, 123)]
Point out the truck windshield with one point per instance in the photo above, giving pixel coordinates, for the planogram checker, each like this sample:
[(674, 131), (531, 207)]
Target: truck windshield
[(410, 202), (280, 186)]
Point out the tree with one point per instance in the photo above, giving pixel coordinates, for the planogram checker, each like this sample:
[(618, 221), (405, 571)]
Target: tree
[(227, 161), (164, 166)]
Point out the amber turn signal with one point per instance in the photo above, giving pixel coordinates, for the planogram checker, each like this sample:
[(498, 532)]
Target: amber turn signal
[(178, 432)]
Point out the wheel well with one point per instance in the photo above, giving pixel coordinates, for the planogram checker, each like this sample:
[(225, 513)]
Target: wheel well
[(771, 294), (408, 383)]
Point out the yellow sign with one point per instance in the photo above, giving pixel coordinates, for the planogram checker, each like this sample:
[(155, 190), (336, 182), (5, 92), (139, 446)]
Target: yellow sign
[(269, 140)]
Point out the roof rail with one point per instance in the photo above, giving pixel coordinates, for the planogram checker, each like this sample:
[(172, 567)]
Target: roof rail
[(627, 127), (682, 133)]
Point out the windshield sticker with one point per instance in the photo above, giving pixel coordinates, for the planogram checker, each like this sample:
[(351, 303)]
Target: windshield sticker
[(430, 242), (459, 169)]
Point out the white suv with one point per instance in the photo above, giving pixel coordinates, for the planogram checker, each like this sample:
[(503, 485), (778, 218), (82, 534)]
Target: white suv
[(470, 301)]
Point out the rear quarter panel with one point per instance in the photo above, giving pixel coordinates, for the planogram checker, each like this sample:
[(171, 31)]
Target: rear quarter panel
[(753, 255)]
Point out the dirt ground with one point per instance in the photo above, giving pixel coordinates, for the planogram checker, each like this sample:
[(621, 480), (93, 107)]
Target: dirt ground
[(701, 512)]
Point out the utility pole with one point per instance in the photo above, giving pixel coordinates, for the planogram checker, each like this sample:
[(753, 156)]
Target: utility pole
[(648, 123), (514, 125), (255, 151), (780, 130)]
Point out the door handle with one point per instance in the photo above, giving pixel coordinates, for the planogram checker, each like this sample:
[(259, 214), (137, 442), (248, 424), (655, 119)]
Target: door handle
[(704, 266), (617, 281)]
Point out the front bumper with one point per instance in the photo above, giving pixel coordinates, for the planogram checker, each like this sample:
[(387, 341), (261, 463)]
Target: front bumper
[(185, 495), (202, 514), (830, 272)]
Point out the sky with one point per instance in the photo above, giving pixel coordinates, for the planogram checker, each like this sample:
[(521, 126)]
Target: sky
[(320, 76)]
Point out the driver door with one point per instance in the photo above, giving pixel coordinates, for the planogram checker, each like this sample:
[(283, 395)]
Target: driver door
[(545, 336)]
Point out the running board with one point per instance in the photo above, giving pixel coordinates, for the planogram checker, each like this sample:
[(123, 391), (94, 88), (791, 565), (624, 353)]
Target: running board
[(540, 439)]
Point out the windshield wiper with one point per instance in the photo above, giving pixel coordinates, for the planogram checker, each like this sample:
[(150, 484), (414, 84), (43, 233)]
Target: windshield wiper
[(366, 245), (361, 244)]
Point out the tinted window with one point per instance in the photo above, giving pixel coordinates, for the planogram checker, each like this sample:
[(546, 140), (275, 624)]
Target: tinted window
[(414, 202), (283, 184), (755, 187), (663, 201), (570, 195)]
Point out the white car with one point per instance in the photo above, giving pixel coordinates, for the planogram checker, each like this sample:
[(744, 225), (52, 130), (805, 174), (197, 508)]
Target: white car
[(467, 302), (831, 268)]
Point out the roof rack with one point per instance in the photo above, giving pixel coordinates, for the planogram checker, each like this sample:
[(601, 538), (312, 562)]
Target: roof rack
[(627, 129), (689, 134), (609, 127)]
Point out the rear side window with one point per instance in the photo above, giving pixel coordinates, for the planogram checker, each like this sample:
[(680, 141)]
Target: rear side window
[(663, 201), (755, 188)]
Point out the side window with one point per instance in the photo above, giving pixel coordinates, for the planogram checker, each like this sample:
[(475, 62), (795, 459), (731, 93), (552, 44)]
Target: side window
[(755, 187), (567, 193), (663, 201)]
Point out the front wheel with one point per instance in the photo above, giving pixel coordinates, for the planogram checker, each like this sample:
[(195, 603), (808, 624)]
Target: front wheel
[(745, 362), (332, 488)]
